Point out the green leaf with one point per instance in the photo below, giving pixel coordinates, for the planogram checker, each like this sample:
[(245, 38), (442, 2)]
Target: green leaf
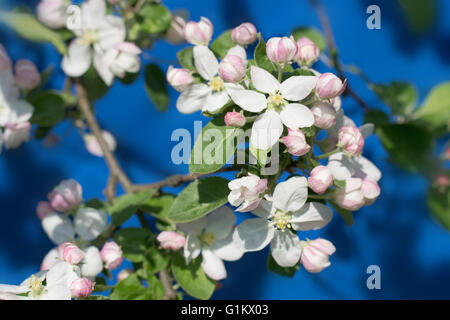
[(96, 204), (95, 86), (100, 285), (94, 297), (155, 260), (186, 58), (222, 44), (134, 242), (28, 27), (159, 208), (312, 34), (273, 266), (199, 198), (154, 18), (436, 109), (377, 117), (156, 88), (209, 156), (130, 288), (155, 287), (420, 14), (339, 183), (192, 278), (261, 58), (401, 97), (439, 203), (345, 214), (49, 109), (125, 206), (407, 144)]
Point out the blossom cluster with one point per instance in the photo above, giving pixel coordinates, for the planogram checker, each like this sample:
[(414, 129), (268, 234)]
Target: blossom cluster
[(286, 103)]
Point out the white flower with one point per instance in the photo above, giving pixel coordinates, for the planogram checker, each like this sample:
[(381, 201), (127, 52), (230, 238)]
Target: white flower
[(278, 220), (92, 264), (13, 111), (245, 192), (57, 284), (209, 97), (212, 236), (98, 33), (343, 167), (268, 127)]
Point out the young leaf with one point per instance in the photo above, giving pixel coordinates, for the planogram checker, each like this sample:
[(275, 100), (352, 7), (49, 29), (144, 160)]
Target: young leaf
[(439, 203), (155, 260), (209, 156), (159, 208), (312, 34), (28, 27), (155, 85), (155, 18), (400, 97), (49, 109), (192, 278), (95, 86), (130, 288), (199, 198), (273, 266), (345, 214), (222, 44), (125, 206), (186, 58), (261, 58), (376, 117), (134, 243)]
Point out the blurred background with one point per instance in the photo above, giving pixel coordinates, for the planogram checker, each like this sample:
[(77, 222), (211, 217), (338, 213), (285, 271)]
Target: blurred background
[(397, 233)]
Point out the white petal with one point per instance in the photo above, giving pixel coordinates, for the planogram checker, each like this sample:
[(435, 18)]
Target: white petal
[(366, 167), (92, 263), (110, 32), (312, 216), (263, 210), (238, 51), (192, 247), (62, 273), (340, 166), (291, 194), (57, 292), (57, 229), (249, 100), (286, 248), (213, 265), (7, 288), (90, 223), (193, 99), (220, 222), (296, 115), (366, 129), (215, 101), (266, 130), (194, 227), (78, 59), (92, 13), (205, 62), (253, 234), (263, 80), (298, 87), (103, 69), (19, 111), (227, 249)]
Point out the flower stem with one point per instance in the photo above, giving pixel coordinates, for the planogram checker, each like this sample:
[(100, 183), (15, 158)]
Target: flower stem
[(326, 155)]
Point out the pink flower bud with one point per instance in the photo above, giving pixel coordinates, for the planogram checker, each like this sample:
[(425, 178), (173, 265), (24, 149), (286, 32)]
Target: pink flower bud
[(324, 115), (124, 274), (70, 253), (5, 60), (111, 254), (351, 197), (316, 254), (281, 50), (43, 209), (65, 196), (179, 79), (171, 240), (50, 259), (232, 68), (246, 192), (26, 74), (295, 141), (175, 34), (234, 119), (52, 13), (442, 181), (15, 134), (81, 288), (447, 154), (93, 146), (320, 179), (198, 33), (307, 52), (244, 34), (329, 86), (370, 190), (351, 140)]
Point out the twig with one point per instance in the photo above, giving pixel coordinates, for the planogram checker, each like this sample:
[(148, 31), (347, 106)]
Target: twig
[(169, 291), (110, 191)]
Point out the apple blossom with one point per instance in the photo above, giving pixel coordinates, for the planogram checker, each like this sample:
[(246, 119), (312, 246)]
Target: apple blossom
[(93, 146), (307, 52), (57, 228), (97, 34), (65, 196), (234, 119), (329, 86), (89, 223), (357, 193), (53, 13), (232, 68), (50, 259), (15, 134), (175, 34), (351, 140), (287, 210), (281, 50), (320, 179), (180, 79), (5, 60), (246, 192), (268, 126), (111, 254), (244, 34), (296, 143), (171, 240), (212, 237), (198, 33), (70, 253), (316, 253), (123, 274), (119, 60), (344, 166), (43, 209), (92, 263), (324, 115), (81, 288), (26, 74)]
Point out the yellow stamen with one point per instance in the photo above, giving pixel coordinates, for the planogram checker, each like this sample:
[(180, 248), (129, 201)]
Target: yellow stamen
[(281, 220), (216, 84), (207, 238)]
